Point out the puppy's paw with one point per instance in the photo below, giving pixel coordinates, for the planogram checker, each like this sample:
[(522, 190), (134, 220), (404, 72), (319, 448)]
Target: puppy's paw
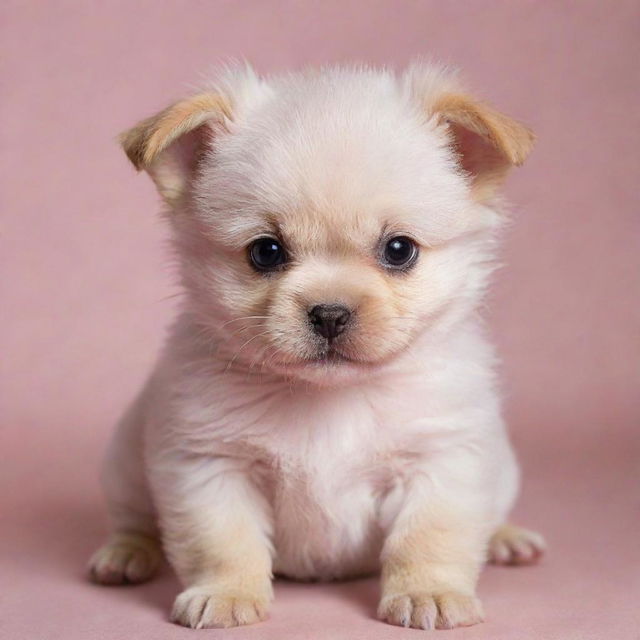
[(515, 546), (422, 610), (125, 559), (205, 607)]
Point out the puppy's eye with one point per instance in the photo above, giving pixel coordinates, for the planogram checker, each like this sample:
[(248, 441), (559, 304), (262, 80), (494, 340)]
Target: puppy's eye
[(267, 254), (399, 252)]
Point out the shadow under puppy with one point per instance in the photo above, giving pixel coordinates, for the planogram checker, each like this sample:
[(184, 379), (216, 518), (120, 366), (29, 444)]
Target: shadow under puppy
[(325, 405)]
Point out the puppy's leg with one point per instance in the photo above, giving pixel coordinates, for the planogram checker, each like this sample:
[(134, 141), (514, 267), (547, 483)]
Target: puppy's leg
[(126, 558), (216, 530), (511, 545), (515, 546), (132, 552), (434, 550)]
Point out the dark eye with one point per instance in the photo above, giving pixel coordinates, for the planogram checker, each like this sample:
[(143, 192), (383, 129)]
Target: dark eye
[(399, 252), (267, 254)]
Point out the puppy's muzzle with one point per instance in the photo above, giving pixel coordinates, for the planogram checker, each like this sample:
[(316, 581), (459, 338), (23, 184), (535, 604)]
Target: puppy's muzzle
[(329, 320)]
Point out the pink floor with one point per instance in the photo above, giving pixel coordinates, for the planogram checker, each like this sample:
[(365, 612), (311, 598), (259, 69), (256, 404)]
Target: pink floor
[(85, 293), (582, 495)]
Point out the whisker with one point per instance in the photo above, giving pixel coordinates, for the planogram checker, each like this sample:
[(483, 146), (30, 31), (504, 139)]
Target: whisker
[(263, 356), (237, 332), (224, 324), (230, 364)]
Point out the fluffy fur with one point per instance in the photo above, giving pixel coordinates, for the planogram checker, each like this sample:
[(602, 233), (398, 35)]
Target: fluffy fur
[(252, 450)]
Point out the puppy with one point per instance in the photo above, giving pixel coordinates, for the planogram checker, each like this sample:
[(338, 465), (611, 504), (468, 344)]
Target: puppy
[(326, 405)]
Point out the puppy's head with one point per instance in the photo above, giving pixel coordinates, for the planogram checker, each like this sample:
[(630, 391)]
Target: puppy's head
[(325, 220)]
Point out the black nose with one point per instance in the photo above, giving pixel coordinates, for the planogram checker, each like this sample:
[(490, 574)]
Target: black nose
[(329, 320)]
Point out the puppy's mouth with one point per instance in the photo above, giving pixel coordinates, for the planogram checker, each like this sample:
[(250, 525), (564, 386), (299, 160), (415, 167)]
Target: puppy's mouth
[(328, 358), (329, 367)]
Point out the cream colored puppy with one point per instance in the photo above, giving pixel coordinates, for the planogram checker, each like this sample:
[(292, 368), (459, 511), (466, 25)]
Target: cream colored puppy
[(326, 404)]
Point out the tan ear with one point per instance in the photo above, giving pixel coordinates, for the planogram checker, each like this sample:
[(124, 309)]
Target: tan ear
[(168, 144), (488, 142)]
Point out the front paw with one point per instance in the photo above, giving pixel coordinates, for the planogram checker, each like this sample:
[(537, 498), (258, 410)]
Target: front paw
[(422, 610), (206, 607)]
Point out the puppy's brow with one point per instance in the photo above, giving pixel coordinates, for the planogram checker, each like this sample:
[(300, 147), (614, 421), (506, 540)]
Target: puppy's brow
[(398, 227), (242, 233)]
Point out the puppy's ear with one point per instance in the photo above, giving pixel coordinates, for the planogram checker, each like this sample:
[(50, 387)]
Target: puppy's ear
[(488, 143), (169, 144)]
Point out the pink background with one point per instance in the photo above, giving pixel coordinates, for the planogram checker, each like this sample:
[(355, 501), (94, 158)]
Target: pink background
[(84, 290)]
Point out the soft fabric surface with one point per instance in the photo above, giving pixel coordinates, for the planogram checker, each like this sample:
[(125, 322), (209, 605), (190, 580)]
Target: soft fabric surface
[(85, 295), (583, 496)]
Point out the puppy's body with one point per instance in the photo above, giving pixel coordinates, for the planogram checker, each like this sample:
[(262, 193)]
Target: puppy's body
[(266, 441), (332, 468)]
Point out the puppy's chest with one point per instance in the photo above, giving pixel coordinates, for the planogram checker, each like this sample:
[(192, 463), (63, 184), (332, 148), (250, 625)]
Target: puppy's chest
[(326, 514), (331, 474)]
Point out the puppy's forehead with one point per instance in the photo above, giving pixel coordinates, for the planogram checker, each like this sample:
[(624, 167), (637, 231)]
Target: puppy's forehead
[(330, 229), (330, 163)]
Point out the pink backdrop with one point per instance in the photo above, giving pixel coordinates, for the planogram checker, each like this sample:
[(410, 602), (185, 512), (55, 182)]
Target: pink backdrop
[(84, 289)]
